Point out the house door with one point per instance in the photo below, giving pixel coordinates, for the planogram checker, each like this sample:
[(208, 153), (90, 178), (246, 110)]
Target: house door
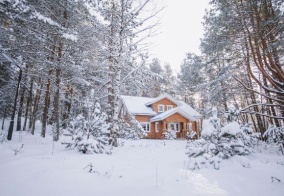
[(173, 126)]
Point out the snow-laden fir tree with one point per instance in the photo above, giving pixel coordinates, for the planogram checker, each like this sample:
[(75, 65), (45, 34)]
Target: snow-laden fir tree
[(219, 142), (89, 130), (133, 131), (275, 135), (129, 127)]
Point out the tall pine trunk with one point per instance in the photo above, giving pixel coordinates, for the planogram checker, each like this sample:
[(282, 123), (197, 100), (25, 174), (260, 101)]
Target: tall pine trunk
[(33, 116), (29, 104), (56, 106), (11, 125), (22, 97), (4, 116), (46, 104)]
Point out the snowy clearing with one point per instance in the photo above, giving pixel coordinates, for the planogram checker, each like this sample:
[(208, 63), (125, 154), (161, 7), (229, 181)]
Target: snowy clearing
[(144, 167)]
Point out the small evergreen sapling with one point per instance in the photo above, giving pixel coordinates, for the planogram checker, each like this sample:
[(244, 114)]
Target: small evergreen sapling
[(191, 134), (134, 132), (90, 132), (275, 135), (170, 134), (219, 142)]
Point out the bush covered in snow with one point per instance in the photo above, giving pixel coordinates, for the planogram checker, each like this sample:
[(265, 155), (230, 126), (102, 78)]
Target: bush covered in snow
[(133, 131), (219, 142), (170, 135), (275, 135), (191, 135), (89, 132)]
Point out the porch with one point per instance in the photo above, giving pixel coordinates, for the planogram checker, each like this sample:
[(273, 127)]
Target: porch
[(180, 128)]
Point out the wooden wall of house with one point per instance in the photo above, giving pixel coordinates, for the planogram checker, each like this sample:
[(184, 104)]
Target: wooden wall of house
[(164, 102), (142, 118), (176, 118), (163, 125), (183, 123)]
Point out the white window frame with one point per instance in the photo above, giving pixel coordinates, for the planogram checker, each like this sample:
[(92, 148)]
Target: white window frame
[(170, 107), (157, 127), (175, 123), (147, 125), (161, 105)]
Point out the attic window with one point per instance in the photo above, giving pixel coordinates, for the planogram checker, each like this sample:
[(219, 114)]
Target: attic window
[(169, 107), (161, 108)]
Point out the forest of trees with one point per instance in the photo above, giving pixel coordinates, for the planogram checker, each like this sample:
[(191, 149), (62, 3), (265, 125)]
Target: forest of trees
[(241, 65), (55, 54)]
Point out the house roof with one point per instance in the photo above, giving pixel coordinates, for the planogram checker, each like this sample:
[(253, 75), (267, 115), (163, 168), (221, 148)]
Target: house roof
[(141, 106), (162, 97), (137, 105), (187, 108), (170, 112)]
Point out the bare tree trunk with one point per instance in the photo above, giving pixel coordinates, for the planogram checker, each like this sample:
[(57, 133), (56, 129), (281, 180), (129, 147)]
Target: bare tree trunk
[(115, 128), (67, 105), (11, 126), (46, 105), (4, 116), (56, 106), (20, 109), (29, 105), (35, 108), (22, 97)]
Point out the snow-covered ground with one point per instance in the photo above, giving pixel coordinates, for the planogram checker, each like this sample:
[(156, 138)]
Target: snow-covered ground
[(144, 167)]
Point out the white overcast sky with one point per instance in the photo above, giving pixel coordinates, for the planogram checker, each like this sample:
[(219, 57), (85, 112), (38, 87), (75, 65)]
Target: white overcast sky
[(180, 31)]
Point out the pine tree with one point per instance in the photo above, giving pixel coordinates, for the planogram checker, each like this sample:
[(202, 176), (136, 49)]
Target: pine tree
[(89, 131), (220, 141)]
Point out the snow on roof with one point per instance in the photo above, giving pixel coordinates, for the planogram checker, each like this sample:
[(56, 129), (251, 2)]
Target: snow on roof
[(170, 112), (187, 108), (137, 105), (141, 106), (162, 97)]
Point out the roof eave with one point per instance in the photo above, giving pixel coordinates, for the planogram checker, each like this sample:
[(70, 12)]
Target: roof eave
[(175, 110), (162, 97), (144, 114)]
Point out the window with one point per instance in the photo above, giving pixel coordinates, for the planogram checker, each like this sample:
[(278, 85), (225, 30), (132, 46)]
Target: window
[(173, 127), (145, 126), (161, 108), (169, 107), (157, 127)]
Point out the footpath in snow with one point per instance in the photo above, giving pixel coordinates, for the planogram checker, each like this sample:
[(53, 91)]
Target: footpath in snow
[(144, 167)]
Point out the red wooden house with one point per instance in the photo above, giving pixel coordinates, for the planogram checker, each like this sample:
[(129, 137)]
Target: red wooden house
[(158, 115)]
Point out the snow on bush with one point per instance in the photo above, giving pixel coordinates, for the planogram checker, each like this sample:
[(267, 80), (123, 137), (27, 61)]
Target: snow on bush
[(3, 136), (275, 135), (191, 134), (170, 134), (220, 142), (89, 132), (133, 131)]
